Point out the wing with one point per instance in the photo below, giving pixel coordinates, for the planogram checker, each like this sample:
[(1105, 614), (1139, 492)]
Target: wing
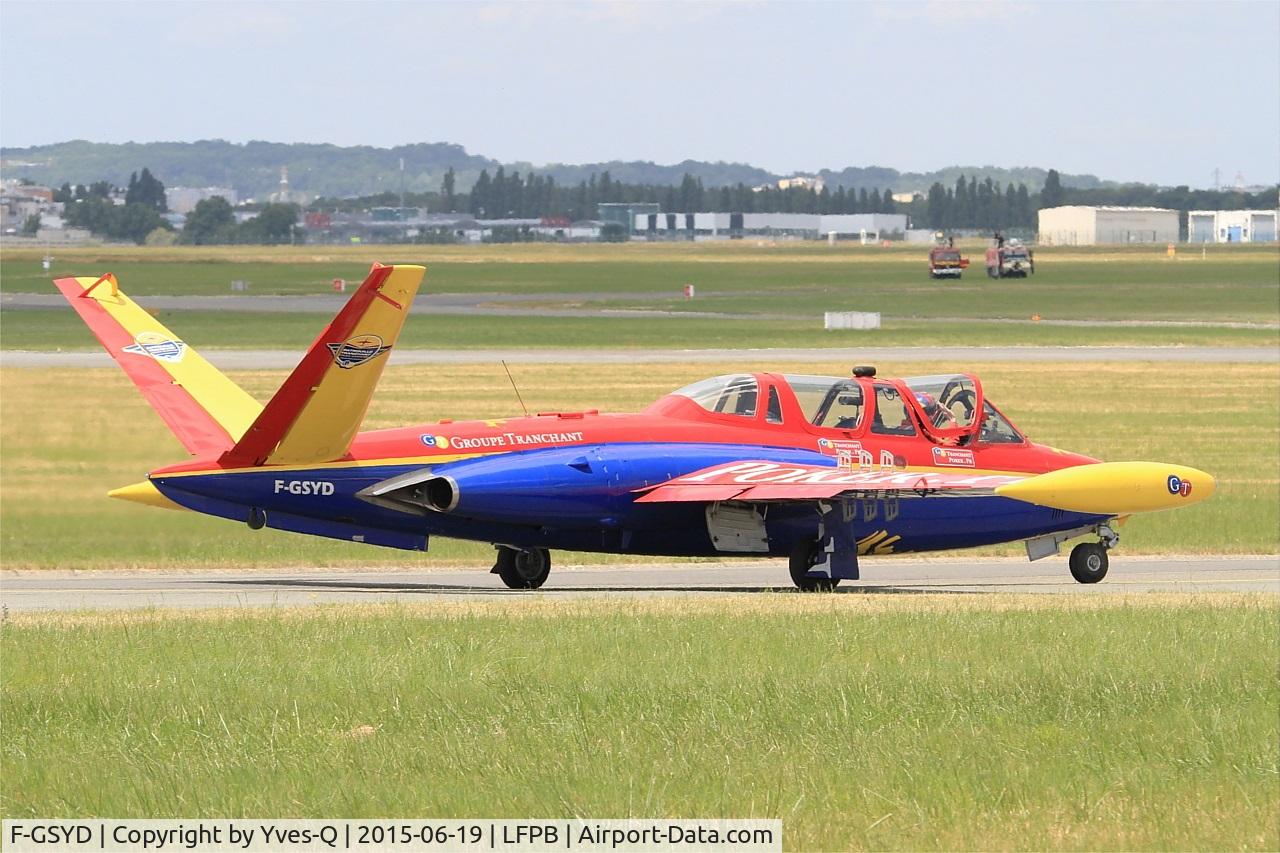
[(758, 480), (1103, 488)]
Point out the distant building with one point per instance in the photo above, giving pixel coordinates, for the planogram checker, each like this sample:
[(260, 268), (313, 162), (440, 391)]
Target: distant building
[(624, 213), (285, 195), (1231, 226), (1074, 225), (907, 198), (185, 199), (397, 225), (29, 191), (396, 214), (802, 182), (20, 201), (808, 226)]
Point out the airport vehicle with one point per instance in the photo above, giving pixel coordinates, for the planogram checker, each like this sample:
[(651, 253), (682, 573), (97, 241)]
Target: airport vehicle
[(817, 469), (1010, 260), (946, 262)]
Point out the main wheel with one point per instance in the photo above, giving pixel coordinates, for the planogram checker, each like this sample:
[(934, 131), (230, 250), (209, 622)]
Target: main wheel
[(1088, 562), (523, 569), (803, 556)]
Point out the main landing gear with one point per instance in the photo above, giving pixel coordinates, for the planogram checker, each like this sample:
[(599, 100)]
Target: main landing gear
[(803, 558), (818, 565), (1088, 560), (522, 569)]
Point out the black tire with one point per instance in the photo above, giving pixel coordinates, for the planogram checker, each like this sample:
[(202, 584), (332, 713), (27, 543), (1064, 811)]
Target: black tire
[(1088, 562), (523, 569), (802, 559)]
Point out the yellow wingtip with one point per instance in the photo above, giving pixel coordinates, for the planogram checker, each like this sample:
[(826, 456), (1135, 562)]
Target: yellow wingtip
[(1114, 488), (143, 493)]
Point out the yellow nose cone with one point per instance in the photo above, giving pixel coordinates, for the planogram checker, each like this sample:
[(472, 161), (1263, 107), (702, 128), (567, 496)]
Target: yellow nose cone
[(1114, 488), (143, 493)]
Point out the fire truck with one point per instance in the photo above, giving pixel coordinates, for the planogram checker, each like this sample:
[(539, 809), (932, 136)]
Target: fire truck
[(1010, 259), (945, 261)]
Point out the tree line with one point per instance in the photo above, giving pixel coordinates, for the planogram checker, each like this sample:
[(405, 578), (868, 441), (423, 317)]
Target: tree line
[(213, 222), (533, 195), (92, 207), (140, 219), (253, 168), (970, 204)]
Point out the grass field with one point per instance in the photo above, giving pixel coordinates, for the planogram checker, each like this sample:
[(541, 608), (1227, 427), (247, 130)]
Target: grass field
[(787, 287), (69, 436), (867, 722)]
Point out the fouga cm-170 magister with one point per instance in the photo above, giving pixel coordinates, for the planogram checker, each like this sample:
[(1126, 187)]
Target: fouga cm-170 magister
[(818, 469)]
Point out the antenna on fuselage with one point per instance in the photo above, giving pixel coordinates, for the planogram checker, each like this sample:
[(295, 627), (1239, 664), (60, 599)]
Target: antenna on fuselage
[(514, 388)]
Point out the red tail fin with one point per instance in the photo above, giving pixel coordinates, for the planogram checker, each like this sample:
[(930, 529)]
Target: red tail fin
[(319, 408)]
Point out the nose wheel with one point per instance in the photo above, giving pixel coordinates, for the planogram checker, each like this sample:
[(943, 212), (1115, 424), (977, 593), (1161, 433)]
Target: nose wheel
[(1088, 562), (523, 569)]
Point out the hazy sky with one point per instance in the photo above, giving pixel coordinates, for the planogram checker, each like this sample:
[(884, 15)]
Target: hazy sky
[(1161, 92)]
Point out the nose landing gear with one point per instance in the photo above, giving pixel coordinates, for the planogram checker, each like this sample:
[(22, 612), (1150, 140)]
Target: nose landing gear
[(1088, 560)]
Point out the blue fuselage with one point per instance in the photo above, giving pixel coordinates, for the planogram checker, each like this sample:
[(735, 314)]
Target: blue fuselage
[(582, 498)]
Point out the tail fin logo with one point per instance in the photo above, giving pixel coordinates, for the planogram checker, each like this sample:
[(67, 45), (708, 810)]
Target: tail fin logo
[(158, 347), (354, 352)]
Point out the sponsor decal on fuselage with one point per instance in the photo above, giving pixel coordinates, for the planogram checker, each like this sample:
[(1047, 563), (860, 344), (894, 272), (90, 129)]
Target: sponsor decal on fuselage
[(848, 454), (749, 473), (304, 487), (956, 457), (502, 439), (157, 346), (1179, 486), (851, 454), (355, 351)]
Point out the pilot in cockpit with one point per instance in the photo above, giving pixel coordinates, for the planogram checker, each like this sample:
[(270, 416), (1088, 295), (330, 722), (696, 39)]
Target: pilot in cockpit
[(938, 415)]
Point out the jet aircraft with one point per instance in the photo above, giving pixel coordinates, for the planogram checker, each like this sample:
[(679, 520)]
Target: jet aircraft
[(816, 469)]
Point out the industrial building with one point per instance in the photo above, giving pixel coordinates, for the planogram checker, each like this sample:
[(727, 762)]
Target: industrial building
[(1074, 225), (185, 199), (1231, 226), (624, 213), (809, 226)]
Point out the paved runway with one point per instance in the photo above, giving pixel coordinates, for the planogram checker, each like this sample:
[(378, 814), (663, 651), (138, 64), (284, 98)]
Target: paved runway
[(57, 590), (583, 304)]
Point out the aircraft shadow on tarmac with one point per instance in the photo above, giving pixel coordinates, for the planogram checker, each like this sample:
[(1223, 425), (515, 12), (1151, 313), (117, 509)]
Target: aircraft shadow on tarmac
[(467, 589)]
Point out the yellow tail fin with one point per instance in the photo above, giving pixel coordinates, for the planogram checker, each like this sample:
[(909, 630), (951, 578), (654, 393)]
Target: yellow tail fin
[(319, 408), (204, 409)]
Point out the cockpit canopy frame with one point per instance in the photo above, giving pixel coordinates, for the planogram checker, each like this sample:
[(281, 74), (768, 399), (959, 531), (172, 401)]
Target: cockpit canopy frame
[(948, 409)]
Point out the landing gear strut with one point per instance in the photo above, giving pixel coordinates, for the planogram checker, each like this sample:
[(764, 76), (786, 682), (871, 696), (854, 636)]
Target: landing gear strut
[(522, 569)]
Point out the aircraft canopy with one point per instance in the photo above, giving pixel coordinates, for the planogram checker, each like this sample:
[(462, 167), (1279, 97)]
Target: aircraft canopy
[(946, 408)]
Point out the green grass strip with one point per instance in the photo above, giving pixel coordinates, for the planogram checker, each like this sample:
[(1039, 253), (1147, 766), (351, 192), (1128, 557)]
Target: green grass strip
[(862, 722)]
